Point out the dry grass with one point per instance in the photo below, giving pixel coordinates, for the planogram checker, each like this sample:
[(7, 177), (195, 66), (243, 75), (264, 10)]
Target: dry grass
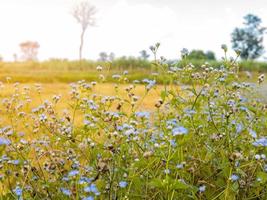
[(63, 89)]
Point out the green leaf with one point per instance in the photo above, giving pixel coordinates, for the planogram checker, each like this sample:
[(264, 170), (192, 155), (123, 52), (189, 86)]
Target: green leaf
[(262, 176), (157, 183), (178, 185)]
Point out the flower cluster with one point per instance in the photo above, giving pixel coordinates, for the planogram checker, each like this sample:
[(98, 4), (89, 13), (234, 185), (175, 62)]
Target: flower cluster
[(205, 138)]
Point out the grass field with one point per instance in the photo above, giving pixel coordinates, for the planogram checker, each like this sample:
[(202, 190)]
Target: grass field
[(61, 71), (68, 143), (48, 90)]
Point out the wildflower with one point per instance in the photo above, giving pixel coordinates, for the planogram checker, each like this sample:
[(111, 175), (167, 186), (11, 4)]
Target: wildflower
[(88, 198), (142, 114), (180, 166), (253, 133), (4, 141), (73, 173), (184, 52), (42, 118), (261, 78), (260, 142), (234, 177), (123, 184), (239, 128), (18, 191), (150, 84), (173, 143), (92, 188), (65, 191), (93, 83), (189, 112), (99, 68), (14, 162), (257, 157), (130, 132), (86, 122), (84, 180), (179, 131), (116, 76), (167, 171), (202, 188), (66, 179)]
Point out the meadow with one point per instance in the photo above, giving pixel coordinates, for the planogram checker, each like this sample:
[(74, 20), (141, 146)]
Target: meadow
[(65, 71), (169, 131)]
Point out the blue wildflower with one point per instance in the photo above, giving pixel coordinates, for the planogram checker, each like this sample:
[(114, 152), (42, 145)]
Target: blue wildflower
[(202, 188), (253, 133), (15, 162), (88, 198), (173, 143), (84, 180), (180, 166), (4, 141), (65, 191), (65, 178), (172, 122), (257, 157), (92, 188), (260, 142), (86, 122), (239, 128), (150, 84), (234, 177), (18, 191), (179, 131), (142, 114), (243, 108), (123, 184), (73, 173), (189, 112)]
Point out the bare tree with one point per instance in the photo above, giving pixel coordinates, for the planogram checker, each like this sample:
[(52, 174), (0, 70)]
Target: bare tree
[(84, 14), (29, 50)]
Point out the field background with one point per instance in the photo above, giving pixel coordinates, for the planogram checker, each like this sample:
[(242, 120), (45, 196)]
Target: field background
[(56, 75), (64, 71)]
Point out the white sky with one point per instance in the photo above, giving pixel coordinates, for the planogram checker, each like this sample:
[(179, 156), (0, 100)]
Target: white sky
[(124, 27)]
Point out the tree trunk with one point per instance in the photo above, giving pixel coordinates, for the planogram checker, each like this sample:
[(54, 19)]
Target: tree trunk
[(81, 45)]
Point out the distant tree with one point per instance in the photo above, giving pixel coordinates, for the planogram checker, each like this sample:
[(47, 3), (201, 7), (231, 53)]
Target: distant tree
[(29, 50), (103, 56), (84, 14), (111, 56), (197, 54), (144, 55), (210, 55), (248, 40), (201, 55)]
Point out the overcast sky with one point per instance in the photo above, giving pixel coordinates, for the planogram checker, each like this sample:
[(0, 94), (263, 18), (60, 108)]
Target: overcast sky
[(124, 27)]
